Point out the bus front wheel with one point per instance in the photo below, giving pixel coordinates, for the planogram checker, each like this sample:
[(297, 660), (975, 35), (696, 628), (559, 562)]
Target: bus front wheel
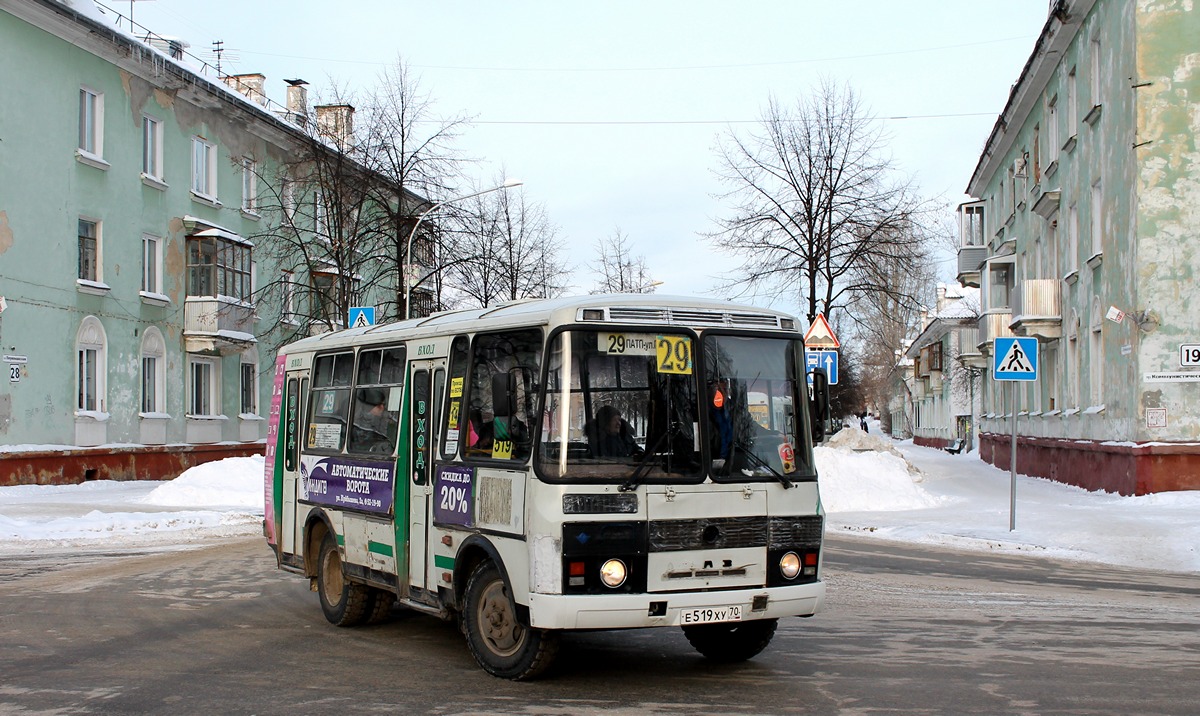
[(730, 642), (500, 643), (343, 602)]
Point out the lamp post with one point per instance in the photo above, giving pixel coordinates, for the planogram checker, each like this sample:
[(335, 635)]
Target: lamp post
[(408, 284)]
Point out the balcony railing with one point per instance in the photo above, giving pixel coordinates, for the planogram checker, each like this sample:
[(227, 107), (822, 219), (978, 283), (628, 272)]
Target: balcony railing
[(993, 325), (970, 262), (217, 324), (1037, 309)]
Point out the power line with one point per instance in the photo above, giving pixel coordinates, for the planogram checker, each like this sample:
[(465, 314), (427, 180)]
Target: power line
[(701, 121), (680, 68)]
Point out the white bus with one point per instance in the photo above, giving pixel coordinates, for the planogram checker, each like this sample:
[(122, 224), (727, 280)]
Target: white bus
[(579, 463)]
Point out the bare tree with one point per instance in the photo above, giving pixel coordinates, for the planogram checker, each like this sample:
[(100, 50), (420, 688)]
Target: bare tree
[(407, 144), (619, 271), (507, 250), (815, 204)]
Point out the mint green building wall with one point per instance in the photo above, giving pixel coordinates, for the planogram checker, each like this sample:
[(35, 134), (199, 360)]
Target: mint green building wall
[(1167, 264), (44, 190)]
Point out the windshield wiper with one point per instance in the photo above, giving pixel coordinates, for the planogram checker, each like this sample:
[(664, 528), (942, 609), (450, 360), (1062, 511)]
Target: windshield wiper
[(762, 463), (643, 467)]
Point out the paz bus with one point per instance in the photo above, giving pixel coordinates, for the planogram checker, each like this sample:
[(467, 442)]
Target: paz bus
[(598, 462)]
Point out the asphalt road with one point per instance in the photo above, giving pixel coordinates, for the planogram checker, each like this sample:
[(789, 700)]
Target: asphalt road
[(907, 630)]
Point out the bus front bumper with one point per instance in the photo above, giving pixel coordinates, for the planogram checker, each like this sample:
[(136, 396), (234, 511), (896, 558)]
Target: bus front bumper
[(623, 611)]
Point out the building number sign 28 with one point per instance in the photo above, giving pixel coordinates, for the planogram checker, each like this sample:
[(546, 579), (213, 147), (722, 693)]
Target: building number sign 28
[(14, 372)]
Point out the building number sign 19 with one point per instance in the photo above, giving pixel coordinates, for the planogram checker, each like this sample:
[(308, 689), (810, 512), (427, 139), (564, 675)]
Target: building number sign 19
[(1189, 354)]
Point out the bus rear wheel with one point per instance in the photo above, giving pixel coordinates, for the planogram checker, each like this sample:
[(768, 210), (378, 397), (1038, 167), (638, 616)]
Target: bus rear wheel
[(730, 642), (500, 643), (343, 602)]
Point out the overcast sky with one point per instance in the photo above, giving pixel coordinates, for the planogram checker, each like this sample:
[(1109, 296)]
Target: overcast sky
[(609, 111)]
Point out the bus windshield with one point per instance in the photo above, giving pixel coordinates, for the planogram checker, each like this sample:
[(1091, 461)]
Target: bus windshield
[(621, 406), (756, 414)]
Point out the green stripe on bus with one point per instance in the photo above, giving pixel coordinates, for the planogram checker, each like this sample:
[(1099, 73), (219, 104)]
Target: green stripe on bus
[(443, 562), (341, 539), (379, 548)]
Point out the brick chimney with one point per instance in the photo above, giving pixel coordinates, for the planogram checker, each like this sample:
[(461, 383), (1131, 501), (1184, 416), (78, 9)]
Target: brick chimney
[(297, 101), (335, 122), (250, 85)]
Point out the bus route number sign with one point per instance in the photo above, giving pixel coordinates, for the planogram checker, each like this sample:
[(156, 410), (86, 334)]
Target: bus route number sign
[(674, 354)]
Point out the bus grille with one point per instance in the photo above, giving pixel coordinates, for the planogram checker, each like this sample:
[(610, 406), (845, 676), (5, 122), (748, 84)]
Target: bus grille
[(803, 531)]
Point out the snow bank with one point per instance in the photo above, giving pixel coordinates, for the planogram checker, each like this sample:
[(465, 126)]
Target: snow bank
[(868, 481), (232, 482)]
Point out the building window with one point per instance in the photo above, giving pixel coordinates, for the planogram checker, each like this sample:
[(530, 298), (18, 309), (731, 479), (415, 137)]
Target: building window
[(154, 356), (1096, 83), (219, 266), (1072, 239), (151, 264), (321, 214), (1000, 282), (91, 348), (1073, 361), (203, 384), (287, 284), (249, 185), (152, 149), (1052, 128), (91, 122), (89, 250), (287, 197), (249, 386), (1097, 220), (204, 168), (1096, 354), (1072, 104)]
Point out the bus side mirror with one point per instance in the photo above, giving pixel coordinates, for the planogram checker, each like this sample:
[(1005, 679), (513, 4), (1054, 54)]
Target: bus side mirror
[(818, 406)]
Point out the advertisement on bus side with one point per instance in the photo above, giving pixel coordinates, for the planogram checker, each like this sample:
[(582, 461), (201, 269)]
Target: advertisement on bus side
[(366, 485)]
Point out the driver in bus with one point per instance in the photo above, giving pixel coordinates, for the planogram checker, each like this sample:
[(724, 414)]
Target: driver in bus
[(373, 424), (611, 435)]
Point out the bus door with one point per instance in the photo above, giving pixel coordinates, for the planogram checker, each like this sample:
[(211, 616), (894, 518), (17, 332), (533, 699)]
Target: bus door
[(295, 389), (428, 382)]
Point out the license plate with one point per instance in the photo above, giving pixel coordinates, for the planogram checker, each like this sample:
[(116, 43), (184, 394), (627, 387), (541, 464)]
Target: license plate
[(709, 615)]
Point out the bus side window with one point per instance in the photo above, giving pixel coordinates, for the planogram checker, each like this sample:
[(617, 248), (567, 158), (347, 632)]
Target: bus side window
[(501, 396), (378, 388), (454, 398), (330, 402)]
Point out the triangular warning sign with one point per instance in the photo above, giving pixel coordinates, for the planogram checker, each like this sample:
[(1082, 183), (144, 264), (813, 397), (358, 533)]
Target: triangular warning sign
[(820, 335), (361, 320), (1015, 361)]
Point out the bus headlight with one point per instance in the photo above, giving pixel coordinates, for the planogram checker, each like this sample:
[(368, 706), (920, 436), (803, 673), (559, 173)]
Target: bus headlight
[(613, 573), (789, 565)]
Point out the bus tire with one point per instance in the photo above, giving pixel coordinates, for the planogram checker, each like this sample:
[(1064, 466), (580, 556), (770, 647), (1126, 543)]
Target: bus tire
[(500, 643), (381, 606), (344, 603), (730, 642)]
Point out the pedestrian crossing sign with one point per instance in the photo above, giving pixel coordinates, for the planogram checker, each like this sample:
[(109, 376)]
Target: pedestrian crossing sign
[(361, 316), (1015, 359)]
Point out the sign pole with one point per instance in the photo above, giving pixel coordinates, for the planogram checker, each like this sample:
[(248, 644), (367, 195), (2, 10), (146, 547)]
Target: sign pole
[(1012, 465)]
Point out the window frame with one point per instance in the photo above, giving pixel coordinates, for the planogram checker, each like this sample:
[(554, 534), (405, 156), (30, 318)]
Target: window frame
[(152, 266), (153, 348), (152, 148), (197, 365), (91, 383), (91, 122), (249, 185), (95, 254), (204, 169), (248, 385), (231, 265)]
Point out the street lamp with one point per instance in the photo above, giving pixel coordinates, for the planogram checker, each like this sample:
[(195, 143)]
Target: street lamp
[(408, 284)]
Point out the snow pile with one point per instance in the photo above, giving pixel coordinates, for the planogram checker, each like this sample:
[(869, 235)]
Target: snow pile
[(868, 481), (852, 438), (219, 484)]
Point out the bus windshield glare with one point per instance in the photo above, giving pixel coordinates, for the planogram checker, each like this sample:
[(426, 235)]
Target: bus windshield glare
[(633, 406)]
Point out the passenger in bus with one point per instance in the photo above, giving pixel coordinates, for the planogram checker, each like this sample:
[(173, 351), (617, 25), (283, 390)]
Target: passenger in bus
[(610, 435), (374, 427)]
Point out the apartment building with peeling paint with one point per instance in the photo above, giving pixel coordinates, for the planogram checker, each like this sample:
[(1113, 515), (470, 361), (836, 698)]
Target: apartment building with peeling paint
[(1086, 234)]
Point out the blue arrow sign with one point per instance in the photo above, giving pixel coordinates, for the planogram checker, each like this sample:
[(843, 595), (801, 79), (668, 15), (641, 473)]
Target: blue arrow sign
[(1015, 359), (826, 361), (361, 316)]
